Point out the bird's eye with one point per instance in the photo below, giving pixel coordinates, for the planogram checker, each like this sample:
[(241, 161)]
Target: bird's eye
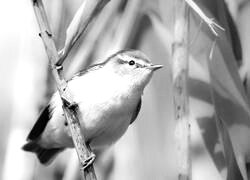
[(131, 63)]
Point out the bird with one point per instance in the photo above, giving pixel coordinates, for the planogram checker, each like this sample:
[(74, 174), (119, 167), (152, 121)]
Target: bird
[(109, 98)]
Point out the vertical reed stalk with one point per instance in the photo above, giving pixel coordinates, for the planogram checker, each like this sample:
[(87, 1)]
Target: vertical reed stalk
[(180, 76)]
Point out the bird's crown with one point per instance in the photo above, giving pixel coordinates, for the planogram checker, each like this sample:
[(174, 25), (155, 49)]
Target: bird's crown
[(131, 57)]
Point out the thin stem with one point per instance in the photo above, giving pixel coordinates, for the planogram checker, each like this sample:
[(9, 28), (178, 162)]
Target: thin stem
[(210, 21), (71, 111), (181, 104)]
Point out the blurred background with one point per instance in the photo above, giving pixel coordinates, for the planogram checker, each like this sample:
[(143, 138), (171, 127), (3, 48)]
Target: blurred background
[(147, 150)]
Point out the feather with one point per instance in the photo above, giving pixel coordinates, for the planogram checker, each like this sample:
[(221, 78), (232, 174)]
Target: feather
[(135, 114), (45, 156), (40, 124)]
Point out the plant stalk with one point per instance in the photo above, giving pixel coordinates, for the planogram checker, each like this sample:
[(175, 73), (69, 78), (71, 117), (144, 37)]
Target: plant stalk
[(180, 77)]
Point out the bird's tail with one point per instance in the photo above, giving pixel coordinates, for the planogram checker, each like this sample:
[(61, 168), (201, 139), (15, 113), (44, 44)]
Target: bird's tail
[(45, 156)]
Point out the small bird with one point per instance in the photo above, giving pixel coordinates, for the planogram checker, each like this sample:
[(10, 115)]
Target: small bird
[(109, 99)]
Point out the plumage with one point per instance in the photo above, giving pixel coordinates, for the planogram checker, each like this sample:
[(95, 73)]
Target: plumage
[(91, 68), (109, 99), (135, 114), (44, 155), (40, 124)]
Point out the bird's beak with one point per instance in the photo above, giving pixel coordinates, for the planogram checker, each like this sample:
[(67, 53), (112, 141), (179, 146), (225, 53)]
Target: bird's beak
[(155, 67)]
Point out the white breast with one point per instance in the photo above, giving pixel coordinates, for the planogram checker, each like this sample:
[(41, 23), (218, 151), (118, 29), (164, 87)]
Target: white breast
[(106, 104)]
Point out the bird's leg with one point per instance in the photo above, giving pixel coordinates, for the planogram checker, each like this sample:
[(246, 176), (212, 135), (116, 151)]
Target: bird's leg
[(71, 105)]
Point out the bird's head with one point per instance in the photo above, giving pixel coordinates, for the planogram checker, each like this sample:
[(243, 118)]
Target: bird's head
[(132, 65)]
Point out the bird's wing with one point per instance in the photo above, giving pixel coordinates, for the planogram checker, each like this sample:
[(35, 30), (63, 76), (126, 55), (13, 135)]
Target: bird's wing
[(136, 112), (40, 124), (45, 116), (89, 69)]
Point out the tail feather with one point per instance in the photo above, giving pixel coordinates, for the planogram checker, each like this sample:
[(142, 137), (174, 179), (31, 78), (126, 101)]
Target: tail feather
[(45, 156)]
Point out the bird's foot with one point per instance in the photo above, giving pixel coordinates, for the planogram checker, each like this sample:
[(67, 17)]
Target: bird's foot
[(88, 161), (71, 105)]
